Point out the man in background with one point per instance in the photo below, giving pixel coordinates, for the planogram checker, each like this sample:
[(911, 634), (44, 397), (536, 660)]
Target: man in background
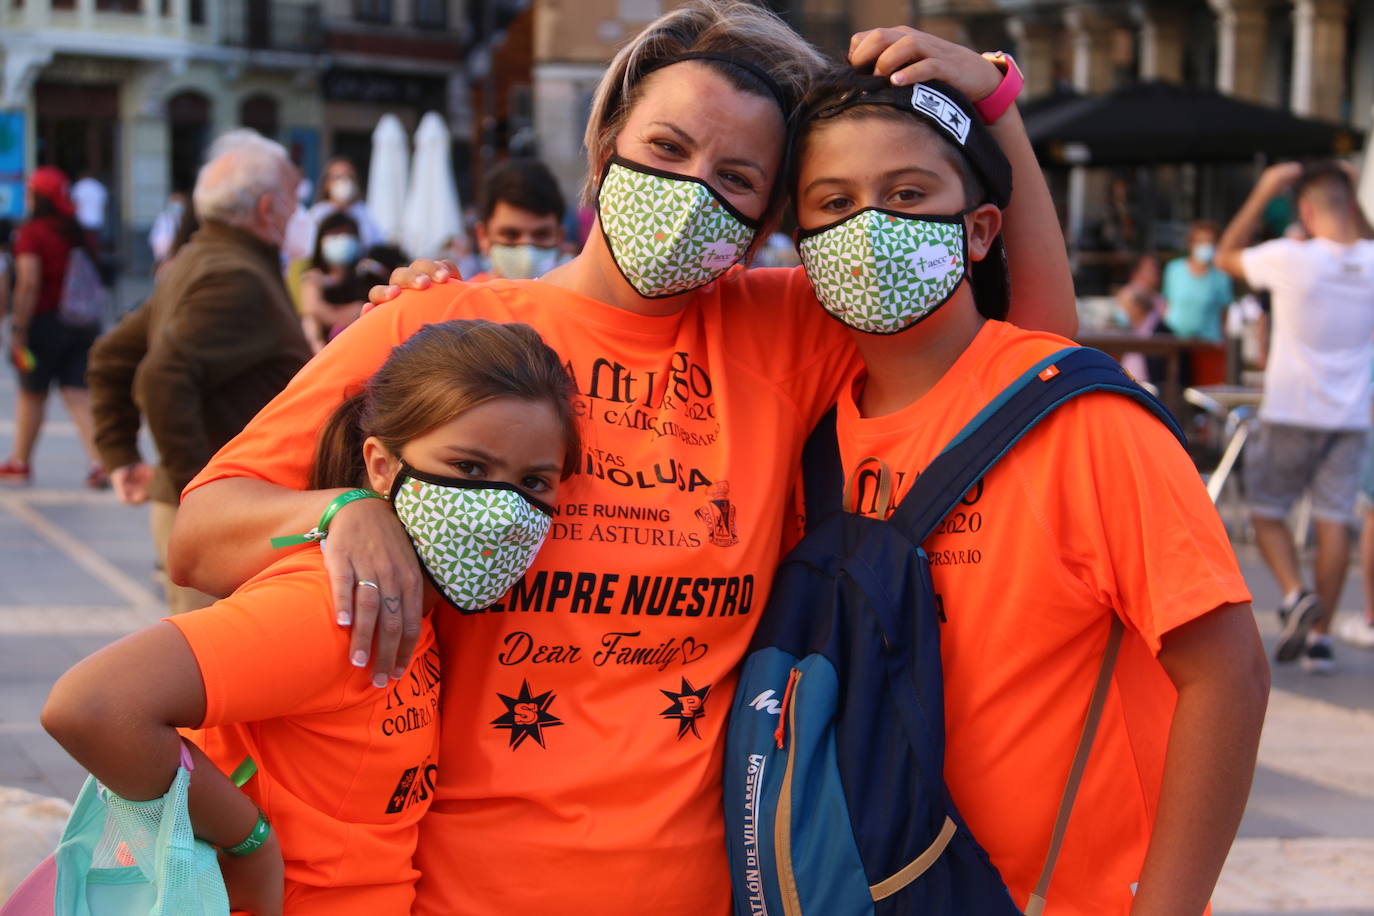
[(520, 232), (217, 339), (1315, 414)]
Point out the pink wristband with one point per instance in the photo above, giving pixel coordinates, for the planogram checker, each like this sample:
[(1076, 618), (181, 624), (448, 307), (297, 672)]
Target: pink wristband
[(996, 104)]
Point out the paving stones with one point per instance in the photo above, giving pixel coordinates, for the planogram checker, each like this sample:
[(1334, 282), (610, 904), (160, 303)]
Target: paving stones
[(1311, 876), (30, 826)]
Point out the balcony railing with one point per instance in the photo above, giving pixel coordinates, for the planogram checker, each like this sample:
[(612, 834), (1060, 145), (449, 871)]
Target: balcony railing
[(268, 25)]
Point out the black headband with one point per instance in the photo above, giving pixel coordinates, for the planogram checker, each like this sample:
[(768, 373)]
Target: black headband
[(754, 69), (937, 104)]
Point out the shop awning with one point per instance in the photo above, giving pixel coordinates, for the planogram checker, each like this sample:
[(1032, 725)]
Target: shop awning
[(1157, 122)]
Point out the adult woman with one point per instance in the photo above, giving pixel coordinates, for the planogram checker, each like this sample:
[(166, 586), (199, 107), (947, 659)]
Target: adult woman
[(41, 251), (1197, 292), (583, 737), (340, 192), (331, 291)]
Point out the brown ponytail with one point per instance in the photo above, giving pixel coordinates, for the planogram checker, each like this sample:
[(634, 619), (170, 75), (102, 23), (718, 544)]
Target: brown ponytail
[(440, 372)]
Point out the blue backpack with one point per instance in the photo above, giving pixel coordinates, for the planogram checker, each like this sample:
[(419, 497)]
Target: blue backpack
[(834, 789)]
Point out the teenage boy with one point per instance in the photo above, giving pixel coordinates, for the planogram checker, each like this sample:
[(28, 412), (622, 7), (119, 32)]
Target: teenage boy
[(520, 233), (1314, 417), (1097, 512)]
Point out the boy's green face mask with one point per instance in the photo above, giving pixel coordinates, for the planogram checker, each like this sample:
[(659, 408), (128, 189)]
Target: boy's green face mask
[(880, 271)]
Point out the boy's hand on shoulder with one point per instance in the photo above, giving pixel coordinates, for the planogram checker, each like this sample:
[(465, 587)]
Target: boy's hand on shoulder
[(906, 55), (256, 882), (421, 274)]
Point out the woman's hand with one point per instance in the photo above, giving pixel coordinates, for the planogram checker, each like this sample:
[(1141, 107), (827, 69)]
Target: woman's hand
[(367, 543), (421, 274), (906, 55), (256, 882)]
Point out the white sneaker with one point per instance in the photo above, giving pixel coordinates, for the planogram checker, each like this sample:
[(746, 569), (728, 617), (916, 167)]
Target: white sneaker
[(1355, 630)]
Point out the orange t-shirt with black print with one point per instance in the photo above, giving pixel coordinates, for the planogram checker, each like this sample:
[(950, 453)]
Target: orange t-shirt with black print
[(345, 770), (583, 714), (1097, 511)]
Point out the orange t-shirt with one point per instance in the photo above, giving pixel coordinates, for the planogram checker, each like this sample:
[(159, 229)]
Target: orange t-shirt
[(345, 771), (1096, 511), (583, 715)]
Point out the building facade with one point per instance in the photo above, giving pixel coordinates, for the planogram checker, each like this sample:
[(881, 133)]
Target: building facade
[(1313, 57), (574, 40), (132, 91)]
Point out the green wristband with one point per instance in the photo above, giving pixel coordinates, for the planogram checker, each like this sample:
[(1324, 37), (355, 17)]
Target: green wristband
[(321, 531), (251, 843), (244, 772)]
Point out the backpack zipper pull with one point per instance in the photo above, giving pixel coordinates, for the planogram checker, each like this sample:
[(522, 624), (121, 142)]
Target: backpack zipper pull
[(780, 735)]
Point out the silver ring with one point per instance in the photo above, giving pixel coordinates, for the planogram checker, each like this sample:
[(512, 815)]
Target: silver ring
[(367, 583)]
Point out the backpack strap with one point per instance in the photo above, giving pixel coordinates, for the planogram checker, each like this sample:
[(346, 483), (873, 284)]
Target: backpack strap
[(1035, 905), (1048, 384), (1054, 380), (822, 471)]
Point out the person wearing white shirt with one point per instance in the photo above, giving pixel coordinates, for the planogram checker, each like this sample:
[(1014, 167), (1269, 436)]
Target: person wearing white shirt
[(90, 197), (340, 192), (163, 234), (1315, 413)]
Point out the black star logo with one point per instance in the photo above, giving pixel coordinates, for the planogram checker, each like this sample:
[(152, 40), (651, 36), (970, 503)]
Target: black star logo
[(688, 706), (527, 716)]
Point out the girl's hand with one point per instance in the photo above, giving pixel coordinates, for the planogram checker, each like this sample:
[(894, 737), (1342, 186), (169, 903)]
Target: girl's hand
[(367, 543), (906, 55), (421, 274), (256, 882)]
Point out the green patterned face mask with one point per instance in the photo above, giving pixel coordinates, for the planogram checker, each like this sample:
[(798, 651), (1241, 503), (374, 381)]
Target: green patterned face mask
[(474, 537), (668, 233), (881, 272)]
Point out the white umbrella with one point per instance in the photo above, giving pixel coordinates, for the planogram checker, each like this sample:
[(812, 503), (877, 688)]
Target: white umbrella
[(432, 215), (387, 175)]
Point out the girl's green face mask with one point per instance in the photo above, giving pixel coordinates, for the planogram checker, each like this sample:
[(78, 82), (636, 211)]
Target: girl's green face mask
[(880, 272), (668, 233), (475, 538)]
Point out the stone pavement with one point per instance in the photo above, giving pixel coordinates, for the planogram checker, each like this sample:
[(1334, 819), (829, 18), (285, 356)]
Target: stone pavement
[(76, 572)]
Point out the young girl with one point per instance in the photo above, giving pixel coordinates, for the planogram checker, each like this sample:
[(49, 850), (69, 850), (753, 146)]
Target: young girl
[(469, 428)]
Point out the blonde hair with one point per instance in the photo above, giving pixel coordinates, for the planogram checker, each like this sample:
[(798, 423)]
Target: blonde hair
[(734, 27)]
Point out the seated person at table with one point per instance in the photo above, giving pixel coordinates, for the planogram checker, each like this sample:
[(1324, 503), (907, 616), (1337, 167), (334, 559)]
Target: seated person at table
[(1144, 320)]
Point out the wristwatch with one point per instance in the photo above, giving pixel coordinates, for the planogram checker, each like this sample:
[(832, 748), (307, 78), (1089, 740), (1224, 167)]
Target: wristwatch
[(996, 104)]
